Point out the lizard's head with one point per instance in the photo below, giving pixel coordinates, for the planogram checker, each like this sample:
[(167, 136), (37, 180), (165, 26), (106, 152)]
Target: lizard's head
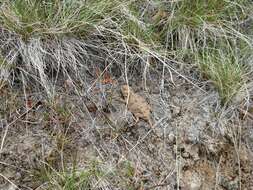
[(125, 90)]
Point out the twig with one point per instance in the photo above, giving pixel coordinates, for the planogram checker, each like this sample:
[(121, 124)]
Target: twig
[(14, 121), (9, 181), (158, 185), (246, 113)]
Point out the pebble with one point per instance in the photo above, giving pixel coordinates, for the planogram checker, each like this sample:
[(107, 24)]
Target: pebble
[(171, 138)]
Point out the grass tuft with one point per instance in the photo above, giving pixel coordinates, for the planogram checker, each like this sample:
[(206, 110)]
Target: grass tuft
[(195, 24), (33, 18), (225, 69), (70, 178), (53, 36)]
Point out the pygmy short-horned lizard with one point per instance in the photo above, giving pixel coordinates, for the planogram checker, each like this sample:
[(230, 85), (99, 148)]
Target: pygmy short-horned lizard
[(136, 104)]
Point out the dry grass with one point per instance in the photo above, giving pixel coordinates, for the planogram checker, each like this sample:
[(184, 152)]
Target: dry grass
[(58, 36), (64, 49)]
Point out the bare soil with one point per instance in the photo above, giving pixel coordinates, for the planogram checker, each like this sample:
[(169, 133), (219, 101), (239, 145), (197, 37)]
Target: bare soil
[(196, 143)]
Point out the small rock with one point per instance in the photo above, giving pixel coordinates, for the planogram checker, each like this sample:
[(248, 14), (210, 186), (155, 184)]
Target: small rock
[(69, 85), (185, 154), (229, 184), (175, 110), (8, 187), (171, 138), (191, 180), (194, 152)]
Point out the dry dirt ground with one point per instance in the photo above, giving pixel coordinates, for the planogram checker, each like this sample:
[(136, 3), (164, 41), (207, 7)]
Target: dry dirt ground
[(195, 144)]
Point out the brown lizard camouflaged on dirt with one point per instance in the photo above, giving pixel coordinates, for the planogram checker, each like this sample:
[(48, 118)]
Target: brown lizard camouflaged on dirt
[(136, 104)]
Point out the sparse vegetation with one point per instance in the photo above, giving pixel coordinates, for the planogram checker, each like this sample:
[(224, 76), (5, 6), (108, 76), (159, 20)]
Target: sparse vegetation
[(69, 178), (182, 28), (83, 50)]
